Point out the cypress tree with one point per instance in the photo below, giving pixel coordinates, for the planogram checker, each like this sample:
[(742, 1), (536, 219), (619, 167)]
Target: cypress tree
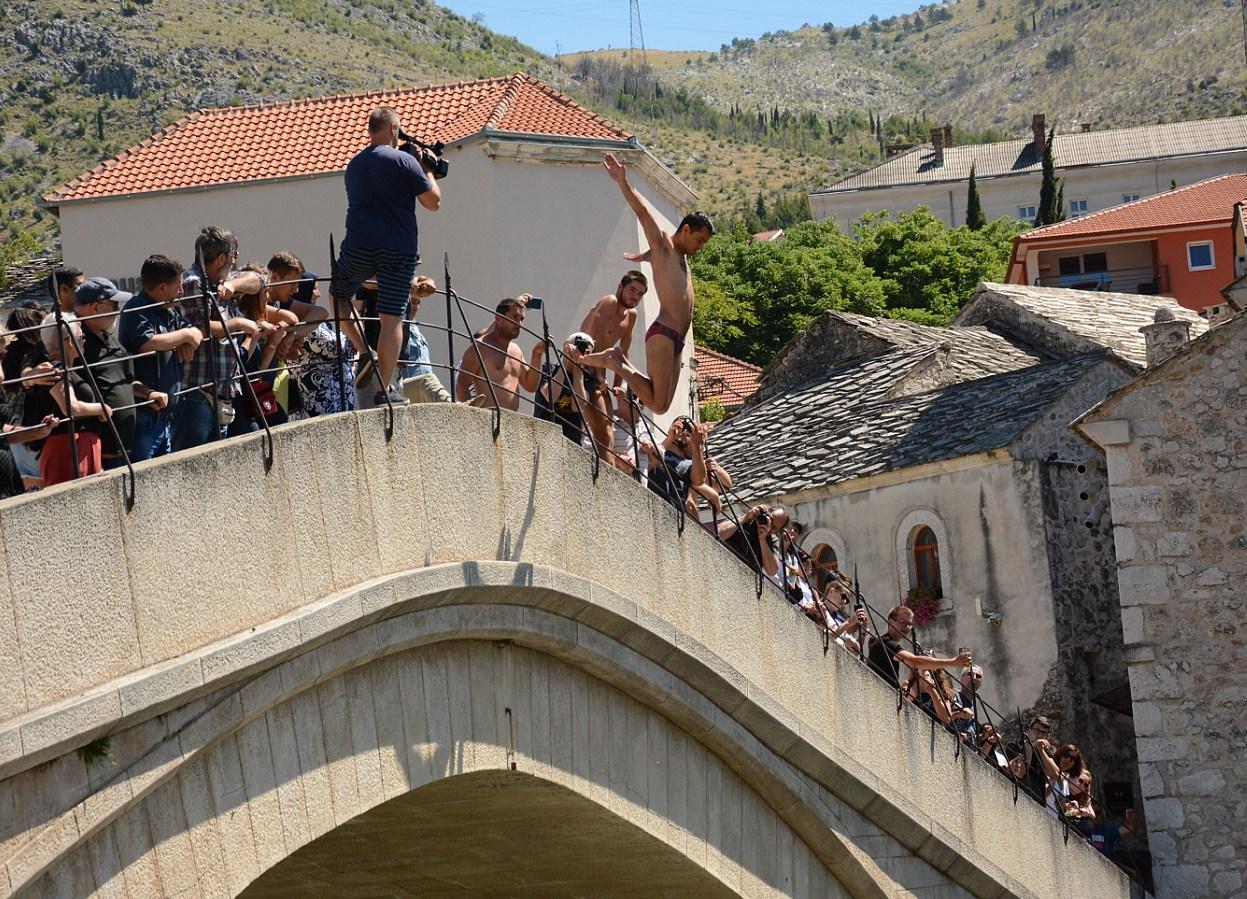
[(1049, 205), (974, 206), (1060, 202)]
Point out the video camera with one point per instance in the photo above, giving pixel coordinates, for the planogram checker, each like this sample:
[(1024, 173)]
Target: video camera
[(428, 155)]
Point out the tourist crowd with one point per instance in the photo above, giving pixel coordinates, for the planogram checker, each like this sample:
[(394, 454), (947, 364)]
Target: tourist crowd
[(109, 376)]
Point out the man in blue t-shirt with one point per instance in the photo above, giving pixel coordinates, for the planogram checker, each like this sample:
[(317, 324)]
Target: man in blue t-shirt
[(151, 324), (383, 185)]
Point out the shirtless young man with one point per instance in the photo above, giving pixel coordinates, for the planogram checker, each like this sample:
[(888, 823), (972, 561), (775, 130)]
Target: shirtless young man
[(609, 323), (664, 341), (504, 361)]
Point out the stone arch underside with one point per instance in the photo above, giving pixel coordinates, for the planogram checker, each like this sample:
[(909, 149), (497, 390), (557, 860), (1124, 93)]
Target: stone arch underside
[(305, 759)]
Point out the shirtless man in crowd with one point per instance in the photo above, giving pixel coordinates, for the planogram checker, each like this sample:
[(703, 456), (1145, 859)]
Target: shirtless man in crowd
[(609, 323), (664, 341), (504, 361)]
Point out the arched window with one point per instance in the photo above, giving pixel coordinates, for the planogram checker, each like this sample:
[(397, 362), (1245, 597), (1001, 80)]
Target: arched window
[(825, 562), (926, 550)]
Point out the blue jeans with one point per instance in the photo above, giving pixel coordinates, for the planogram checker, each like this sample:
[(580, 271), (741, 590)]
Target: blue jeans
[(194, 421), (152, 436)]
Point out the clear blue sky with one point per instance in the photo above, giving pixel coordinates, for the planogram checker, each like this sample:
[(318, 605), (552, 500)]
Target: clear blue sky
[(692, 25)]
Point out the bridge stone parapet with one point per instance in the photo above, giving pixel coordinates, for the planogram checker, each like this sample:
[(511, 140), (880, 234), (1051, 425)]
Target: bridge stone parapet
[(257, 647)]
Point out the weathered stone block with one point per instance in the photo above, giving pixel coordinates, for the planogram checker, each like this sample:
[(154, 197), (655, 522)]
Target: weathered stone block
[(1148, 718), (1165, 813), (1180, 880), (1208, 782), (1125, 544), (1137, 504), (1173, 545), (1143, 585), (1162, 749), (1133, 629)]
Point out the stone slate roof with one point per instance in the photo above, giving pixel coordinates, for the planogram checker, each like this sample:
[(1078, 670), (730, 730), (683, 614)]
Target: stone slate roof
[(850, 423), (320, 135), (1083, 148), (838, 337), (973, 352), (1062, 321)]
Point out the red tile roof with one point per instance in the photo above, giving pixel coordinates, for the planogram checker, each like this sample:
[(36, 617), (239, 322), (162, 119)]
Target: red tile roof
[(729, 380), (320, 135), (1206, 202)]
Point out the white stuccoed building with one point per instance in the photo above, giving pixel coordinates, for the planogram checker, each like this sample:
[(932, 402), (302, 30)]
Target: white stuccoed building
[(527, 206)]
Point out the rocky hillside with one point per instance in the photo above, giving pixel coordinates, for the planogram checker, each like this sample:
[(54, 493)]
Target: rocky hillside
[(989, 64)]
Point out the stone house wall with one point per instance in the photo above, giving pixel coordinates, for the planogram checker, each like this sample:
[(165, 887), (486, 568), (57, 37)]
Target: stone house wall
[(1090, 660), (1176, 444)]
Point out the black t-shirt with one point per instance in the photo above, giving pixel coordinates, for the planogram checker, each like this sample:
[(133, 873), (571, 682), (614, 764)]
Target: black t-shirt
[(1036, 781), (660, 478), (744, 542), (39, 403), (116, 380), (22, 354), (882, 658)]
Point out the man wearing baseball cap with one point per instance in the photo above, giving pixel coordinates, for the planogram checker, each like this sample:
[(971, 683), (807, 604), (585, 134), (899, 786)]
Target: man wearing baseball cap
[(97, 301)]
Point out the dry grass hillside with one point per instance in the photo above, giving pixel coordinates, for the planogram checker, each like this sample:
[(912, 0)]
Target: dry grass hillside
[(985, 64)]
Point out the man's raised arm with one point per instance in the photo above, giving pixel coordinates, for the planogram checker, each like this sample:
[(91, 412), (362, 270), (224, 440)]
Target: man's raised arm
[(619, 174)]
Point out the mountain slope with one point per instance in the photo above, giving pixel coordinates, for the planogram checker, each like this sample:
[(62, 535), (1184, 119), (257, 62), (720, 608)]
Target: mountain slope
[(984, 64)]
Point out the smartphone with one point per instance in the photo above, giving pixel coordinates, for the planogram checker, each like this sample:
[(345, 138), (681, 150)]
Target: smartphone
[(534, 302)]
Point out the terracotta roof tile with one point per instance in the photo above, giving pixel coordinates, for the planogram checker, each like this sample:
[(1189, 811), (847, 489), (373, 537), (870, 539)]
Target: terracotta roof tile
[(1206, 202), (319, 135), (723, 377)]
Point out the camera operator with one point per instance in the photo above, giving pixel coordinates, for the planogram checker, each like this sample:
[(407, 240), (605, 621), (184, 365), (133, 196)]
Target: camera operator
[(383, 184), (682, 465), (754, 540)]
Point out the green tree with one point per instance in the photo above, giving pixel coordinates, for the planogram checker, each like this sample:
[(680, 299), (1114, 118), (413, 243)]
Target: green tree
[(752, 297), (927, 269), (975, 219), (1050, 209)]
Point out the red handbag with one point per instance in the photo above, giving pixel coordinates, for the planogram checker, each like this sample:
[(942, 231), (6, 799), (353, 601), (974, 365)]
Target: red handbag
[(265, 400)]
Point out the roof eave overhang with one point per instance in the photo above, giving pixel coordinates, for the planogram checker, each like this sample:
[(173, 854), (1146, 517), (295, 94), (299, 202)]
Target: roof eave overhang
[(1034, 238), (524, 146), (55, 204)]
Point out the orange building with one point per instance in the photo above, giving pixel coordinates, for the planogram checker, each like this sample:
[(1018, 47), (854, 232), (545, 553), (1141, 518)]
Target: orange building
[(1176, 244)]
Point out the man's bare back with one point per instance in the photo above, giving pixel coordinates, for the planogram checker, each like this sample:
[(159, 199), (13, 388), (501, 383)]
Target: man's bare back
[(673, 282)]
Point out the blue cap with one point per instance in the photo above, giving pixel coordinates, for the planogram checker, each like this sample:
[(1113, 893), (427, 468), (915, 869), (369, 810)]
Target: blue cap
[(97, 290)]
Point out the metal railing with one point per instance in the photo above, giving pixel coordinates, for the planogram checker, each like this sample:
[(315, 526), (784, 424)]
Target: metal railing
[(1151, 280)]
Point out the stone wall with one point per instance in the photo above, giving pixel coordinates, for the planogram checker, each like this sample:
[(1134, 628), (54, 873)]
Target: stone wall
[(1176, 443), (1090, 663)]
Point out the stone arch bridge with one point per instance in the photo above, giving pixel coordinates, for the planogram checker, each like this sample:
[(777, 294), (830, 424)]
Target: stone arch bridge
[(453, 665)]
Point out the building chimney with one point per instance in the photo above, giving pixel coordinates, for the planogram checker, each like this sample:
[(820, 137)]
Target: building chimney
[(937, 140), (1039, 132), (1086, 127), (1164, 336), (1217, 314), (948, 137)]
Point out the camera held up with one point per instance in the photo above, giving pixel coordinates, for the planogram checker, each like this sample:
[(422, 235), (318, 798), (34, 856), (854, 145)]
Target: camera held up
[(428, 155)]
